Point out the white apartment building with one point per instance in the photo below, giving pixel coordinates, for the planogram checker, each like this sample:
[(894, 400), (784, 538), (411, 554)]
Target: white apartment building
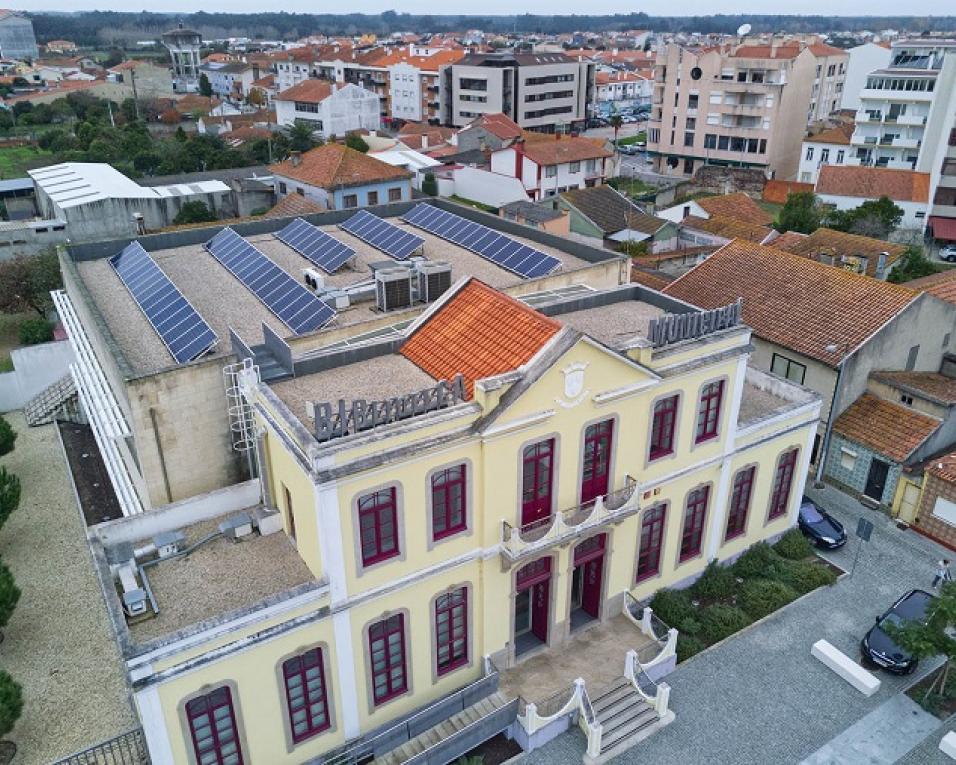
[(550, 167), (828, 81), (230, 81), (904, 103), (863, 59), (623, 89), (540, 91), (329, 108), (829, 147)]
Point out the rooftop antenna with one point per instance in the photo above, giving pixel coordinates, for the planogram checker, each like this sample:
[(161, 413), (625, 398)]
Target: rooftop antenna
[(743, 29)]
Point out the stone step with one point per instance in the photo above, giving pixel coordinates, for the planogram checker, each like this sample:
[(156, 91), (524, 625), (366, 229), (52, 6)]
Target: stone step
[(620, 709), (611, 699), (628, 727)]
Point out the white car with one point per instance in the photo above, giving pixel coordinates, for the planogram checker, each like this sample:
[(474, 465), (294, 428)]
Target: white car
[(948, 253)]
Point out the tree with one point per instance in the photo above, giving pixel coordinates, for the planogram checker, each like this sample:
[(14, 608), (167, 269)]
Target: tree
[(194, 212), (8, 437), (11, 705), (355, 141), (912, 265), (205, 87), (26, 282), (875, 217), (799, 213), (9, 493), (9, 596), (300, 137), (616, 122), (430, 185)]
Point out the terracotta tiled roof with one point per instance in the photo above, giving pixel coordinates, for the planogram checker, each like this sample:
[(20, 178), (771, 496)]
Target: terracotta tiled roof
[(778, 191), (478, 333), (788, 240), (822, 50), (873, 182), (728, 228), (737, 206), (425, 63), (311, 91), (826, 241), (611, 211), (193, 101), (337, 165), (941, 285), (567, 149), (293, 205), (890, 429), (944, 467), (931, 384), (766, 51), (793, 301), (656, 280), (839, 135), (498, 125), (269, 81)]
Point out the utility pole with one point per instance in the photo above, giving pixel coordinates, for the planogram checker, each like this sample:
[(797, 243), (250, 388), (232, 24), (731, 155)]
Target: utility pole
[(132, 82)]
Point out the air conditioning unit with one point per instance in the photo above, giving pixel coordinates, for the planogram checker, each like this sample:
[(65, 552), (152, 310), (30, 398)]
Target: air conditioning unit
[(393, 289), (433, 280), (169, 543), (313, 279), (337, 299)]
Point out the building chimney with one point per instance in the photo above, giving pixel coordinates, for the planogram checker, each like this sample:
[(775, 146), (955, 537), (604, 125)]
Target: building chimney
[(296, 158), (424, 140)]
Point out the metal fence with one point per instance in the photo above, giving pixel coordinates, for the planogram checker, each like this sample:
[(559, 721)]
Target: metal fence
[(126, 749)]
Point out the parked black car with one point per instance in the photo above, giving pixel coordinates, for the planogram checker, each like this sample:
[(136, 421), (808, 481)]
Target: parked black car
[(820, 527), (879, 648)]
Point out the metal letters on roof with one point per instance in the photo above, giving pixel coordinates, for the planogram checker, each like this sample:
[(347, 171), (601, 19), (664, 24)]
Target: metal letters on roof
[(499, 249), (674, 327), (182, 329)]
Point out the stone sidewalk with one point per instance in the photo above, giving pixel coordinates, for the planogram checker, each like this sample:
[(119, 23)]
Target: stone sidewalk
[(759, 697)]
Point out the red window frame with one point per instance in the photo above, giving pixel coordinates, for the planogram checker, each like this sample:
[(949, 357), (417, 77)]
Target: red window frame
[(740, 502), (378, 526), (708, 411), (213, 728), (782, 483), (694, 514), (386, 653), (663, 423), (651, 543), (449, 510), (306, 694), (451, 630), (596, 467)]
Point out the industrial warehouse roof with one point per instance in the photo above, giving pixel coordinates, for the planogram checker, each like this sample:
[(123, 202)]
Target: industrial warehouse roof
[(793, 301), (71, 184)]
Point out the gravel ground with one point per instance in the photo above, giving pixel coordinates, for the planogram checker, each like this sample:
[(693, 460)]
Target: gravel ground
[(58, 644), (760, 698)]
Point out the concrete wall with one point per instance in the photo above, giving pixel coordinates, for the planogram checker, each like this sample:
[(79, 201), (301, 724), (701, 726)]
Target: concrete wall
[(31, 238), (486, 187), (934, 488), (34, 368)]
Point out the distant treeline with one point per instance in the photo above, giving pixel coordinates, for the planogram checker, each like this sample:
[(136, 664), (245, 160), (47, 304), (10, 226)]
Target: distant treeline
[(97, 28)]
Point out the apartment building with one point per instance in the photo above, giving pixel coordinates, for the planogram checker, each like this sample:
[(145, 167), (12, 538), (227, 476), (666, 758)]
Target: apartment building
[(17, 40), (413, 82), (907, 108), (230, 81), (620, 89), (539, 91), (828, 147), (829, 81), (741, 106), (330, 109), (863, 59)]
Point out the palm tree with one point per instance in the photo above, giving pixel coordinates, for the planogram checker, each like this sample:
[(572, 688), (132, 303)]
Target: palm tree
[(616, 122)]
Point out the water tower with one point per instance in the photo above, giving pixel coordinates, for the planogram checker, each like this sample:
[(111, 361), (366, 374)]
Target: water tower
[(183, 46)]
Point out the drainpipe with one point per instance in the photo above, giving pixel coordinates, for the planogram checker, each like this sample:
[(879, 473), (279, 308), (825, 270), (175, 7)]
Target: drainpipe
[(834, 402)]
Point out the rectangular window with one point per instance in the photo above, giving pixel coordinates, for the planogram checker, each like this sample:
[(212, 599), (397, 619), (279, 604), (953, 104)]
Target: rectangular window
[(740, 502), (662, 428), (378, 526), (574, 167), (394, 195), (373, 197), (305, 693), (652, 537), (809, 153), (550, 171), (824, 155), (688, 139), (448, 502), (710, 141), (350, 200), (386, 650), (692, 101), (723, 142), (283, 188), (782, 481), (708, 411), (451, 630), (792, 370), (694, 514), (840, 155), (212, 725)]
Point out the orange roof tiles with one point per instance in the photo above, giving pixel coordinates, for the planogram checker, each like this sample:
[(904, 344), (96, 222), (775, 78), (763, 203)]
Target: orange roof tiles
[(337, 165), (311, 91), (728, 228), (930, 384), (656, 280), (293, 205), (826, 241), (839, 135), (564, 149), (767, 51), (893, 430), (822, 50), (941, 285), (478, 333), (793, 301), (498, 125), (788, 240), (873, 182), (777, 191), (738, 206), (944, 467)]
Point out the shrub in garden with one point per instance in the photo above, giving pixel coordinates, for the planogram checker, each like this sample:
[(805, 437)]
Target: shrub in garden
[(9, 595), (793, 546), (760, 597), (802, 576), (11, 703), (35, 331), (716, 583), (756, 561), (9, 494), (719, 621), (687, 646), (674, 608), (8, 436)]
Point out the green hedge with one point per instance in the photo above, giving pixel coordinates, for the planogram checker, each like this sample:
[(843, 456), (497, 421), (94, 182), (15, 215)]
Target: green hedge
[(793, 546), (802, 576), (716, 583), (687, 646), (675, 609), (760, 597), (719, 621), (756, 561)]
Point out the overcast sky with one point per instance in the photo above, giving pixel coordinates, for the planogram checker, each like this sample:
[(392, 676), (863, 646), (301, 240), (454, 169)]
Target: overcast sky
[(653, 7)]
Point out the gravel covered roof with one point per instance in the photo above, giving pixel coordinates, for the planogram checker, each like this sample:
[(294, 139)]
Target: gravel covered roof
[(615, 324), (757, 403)]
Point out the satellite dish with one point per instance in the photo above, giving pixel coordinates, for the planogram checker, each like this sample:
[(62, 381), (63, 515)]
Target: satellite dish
[(744, 29)]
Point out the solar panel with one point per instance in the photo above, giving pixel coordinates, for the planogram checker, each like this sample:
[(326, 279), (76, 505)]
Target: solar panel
[(182, 329), (327, 252), (390, 239), (506, 252), (298, 308)]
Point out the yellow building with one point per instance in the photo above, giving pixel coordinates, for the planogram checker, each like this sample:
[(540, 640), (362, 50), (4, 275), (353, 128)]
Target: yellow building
[(456, 506)]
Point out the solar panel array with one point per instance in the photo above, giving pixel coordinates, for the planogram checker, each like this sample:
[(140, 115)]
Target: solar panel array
[(390, 239), (500, 249), (327, 252), (182, 329), (298, 308)]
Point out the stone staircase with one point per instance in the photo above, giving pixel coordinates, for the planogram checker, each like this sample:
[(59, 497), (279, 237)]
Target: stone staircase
[(625, 717), (443, 730), (42, 408)]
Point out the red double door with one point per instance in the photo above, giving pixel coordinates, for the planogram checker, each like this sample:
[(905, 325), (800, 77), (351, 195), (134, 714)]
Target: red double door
[(533, 595), (588, 575)]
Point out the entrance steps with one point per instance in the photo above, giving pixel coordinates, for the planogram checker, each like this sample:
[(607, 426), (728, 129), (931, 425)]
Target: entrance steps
[(444, 730), (42, 408), (625, 718)]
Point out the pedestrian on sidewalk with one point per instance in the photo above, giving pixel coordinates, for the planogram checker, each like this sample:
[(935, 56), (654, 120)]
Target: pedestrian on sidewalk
[(942, 573)]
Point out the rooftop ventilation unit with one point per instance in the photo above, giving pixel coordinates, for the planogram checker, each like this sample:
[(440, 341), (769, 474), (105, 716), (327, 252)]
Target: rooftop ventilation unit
[(433, 280), (169, 543), (236, 526), (337, 299), (393, 289), (313, 279)]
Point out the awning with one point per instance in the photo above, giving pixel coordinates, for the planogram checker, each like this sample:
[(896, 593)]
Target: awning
[(943, 228)]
